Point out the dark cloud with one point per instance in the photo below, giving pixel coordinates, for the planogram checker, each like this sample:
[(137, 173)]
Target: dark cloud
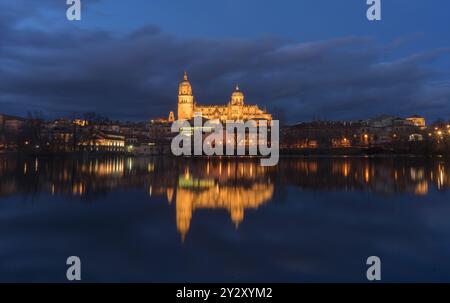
[(135, 76)]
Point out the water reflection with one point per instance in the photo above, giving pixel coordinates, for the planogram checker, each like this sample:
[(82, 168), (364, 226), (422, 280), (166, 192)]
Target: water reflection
[(193, 194), (384, 176), (232, 185)]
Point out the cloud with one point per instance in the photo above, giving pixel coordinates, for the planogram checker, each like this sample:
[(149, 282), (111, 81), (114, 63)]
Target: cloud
[(135, 76)]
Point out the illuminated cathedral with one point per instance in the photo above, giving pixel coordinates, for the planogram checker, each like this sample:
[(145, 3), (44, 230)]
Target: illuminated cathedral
[(234, 110)]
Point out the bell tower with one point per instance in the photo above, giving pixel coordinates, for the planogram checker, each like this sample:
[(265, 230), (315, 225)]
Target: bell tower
[(236, 104), (185, 100)]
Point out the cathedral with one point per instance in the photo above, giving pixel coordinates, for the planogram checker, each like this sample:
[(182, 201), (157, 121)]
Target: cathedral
[(234, 110)]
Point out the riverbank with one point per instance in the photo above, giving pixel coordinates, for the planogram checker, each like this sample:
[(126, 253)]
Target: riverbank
[(364, 151)]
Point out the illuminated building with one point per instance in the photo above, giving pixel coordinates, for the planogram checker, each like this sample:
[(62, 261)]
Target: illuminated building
[(234, 110), (10, 128), (11, 124), (320, 134), (104, 142), (80, 122), (417, 121)]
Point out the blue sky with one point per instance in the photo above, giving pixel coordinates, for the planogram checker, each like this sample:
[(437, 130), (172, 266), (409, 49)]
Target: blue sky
[(309, 59), (299, 19)]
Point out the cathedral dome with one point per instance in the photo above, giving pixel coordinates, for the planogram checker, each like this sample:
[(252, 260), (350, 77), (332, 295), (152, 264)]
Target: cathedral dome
[(237, 97), (185, 87)]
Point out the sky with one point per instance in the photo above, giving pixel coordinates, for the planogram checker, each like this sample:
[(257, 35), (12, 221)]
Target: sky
[(315, 59)]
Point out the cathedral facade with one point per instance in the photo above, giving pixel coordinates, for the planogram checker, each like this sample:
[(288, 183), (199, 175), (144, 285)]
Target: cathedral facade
[(234, 110)]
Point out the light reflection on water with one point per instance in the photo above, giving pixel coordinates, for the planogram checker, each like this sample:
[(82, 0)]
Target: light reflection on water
[(187, 192)]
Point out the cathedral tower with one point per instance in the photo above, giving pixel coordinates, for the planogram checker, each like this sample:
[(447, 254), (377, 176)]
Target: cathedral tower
[(237, 104), (185, 100), (237, 98)]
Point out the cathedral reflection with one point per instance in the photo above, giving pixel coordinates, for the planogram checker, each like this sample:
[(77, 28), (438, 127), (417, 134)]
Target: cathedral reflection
[(235, 186), (235, 192)]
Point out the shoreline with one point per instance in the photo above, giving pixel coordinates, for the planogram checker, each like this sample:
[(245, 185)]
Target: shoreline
[(306, 154)]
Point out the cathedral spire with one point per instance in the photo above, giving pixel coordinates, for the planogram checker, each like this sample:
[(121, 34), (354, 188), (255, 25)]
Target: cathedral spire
[(237, 98), (185, 76)]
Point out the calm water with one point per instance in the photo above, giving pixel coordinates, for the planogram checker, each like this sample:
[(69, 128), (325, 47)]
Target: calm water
[(178, 220)]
